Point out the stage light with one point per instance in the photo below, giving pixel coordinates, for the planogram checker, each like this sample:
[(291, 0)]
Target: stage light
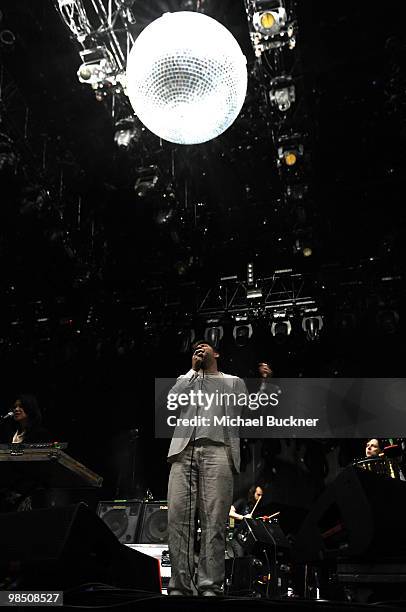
[(269, 23), (253, 293), (123, 138), (147, 179), (213, 335), (186, 77), (270, 27), (242, 334), (98, 64), (7, 38), (267, 20), (290, 158), (282, 93), (281, 329), (250, 274), (303, 247), (312, 325), (164, 215), (289, 152), (127, 133)]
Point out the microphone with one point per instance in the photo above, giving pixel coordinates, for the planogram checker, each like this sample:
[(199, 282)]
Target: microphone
[(7, 416)]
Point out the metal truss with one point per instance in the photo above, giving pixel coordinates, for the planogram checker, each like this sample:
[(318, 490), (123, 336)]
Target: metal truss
[(284, 291), (104, 25)]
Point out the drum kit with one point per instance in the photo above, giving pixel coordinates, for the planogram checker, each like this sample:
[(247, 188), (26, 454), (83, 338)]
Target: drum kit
[(263, 548), (255, 531)]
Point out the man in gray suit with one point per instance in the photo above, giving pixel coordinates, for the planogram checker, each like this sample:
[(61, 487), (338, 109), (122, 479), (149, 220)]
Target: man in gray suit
[(204, 455)]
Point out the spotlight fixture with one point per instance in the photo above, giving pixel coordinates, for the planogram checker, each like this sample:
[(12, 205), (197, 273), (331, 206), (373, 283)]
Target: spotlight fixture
[(270, 26), (289, 153), (98, 65), (280, 329), (214, 334), (253, 291), (7, 38), (186, 77), (164, 216), (147, 179), (303, 247), (282, 93), (126, 133), (270, 22), (242, 334), (123, 138), (250, 274), (312, 325)]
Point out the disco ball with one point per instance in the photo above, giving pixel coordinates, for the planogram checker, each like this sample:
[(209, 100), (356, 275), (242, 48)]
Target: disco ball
[(186, 77)]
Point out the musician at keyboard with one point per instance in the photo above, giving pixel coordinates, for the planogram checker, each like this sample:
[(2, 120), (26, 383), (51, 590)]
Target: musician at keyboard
[(24, 427)]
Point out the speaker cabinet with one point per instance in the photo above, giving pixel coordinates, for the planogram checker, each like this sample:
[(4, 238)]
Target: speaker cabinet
[(123, 518), (59, 548), (154, 523)]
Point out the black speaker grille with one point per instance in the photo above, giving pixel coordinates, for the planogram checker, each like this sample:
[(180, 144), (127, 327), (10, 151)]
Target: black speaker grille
[(154, 529), (122, 518)]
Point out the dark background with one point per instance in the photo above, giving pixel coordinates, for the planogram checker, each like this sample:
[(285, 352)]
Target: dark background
[(97, 292)]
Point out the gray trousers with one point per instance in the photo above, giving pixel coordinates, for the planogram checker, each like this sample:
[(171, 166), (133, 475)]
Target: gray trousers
[(201, 476)]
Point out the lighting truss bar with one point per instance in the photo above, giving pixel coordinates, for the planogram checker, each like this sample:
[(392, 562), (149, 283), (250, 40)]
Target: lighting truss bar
[(276, 290), (106, 26), (97, 23)]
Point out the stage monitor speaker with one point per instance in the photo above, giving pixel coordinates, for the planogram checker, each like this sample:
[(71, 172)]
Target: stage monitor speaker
[(122, 517), (60, 548), (154, 523), (360, 514)]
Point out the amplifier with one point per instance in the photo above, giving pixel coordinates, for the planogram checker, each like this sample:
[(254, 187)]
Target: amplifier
[(154, 523), (123, 518), (137, 521)]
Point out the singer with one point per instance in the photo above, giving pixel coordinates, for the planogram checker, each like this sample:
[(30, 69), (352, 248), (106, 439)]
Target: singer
[(23, 425), (25, 422), (203, 460)]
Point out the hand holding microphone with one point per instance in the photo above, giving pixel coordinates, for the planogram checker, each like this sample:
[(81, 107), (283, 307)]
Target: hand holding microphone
[(197, 359)]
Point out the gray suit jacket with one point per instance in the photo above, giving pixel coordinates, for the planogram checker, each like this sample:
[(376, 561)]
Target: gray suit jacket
[(226, 384)]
